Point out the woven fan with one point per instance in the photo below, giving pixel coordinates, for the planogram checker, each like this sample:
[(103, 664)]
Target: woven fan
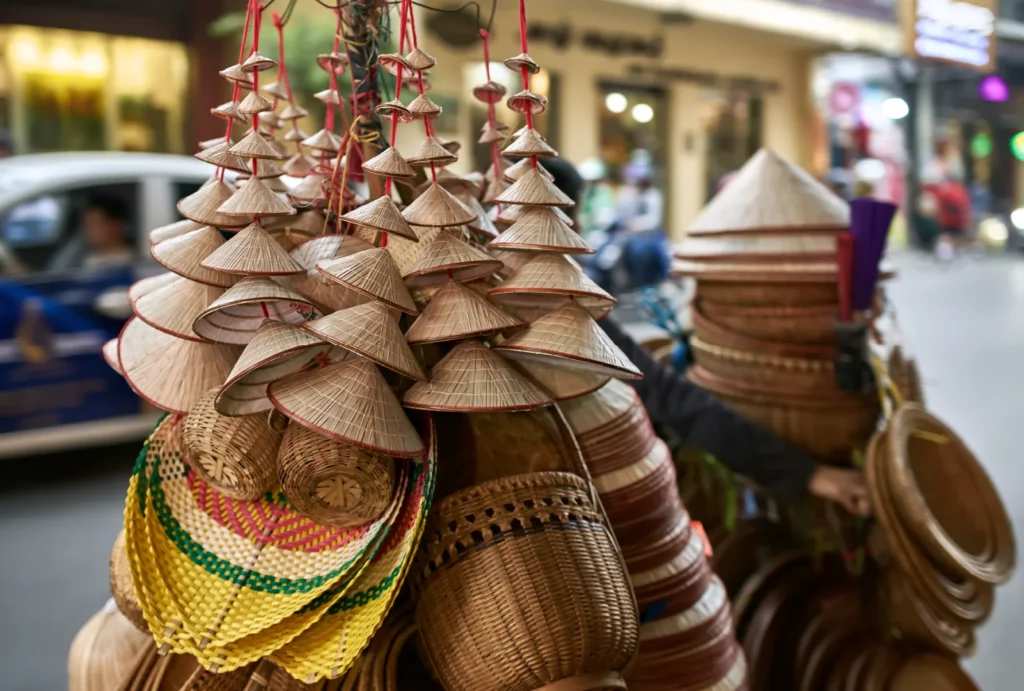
[(534, 189), (540, 230), (438, 208), (548, 276), (456, 312), (598, 409), (530, 144), (255, 198), (448, 257), (202, 205), (148, 285), (235, 316), (252, 252), (561, 383), (381, 214), (184, 255), (391, 163), (473, 378), (372, 273), (174, 307), (172, 230)]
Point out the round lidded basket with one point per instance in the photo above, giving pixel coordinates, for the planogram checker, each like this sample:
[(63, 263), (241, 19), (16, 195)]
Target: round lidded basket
[(809, 324), (798, 374), (767, 294)]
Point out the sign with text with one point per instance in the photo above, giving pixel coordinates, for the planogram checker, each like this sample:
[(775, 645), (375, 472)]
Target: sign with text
[(959, 32)]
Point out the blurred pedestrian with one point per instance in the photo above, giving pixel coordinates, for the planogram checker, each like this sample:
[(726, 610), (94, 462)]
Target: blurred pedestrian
[(105, 224), (6, 144), (597, 206), (640, 211), (953, 210)]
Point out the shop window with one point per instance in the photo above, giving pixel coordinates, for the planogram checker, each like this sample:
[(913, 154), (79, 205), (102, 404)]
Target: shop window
[(733, 132)]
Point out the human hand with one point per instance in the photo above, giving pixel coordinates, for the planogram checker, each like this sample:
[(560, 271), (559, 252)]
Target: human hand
[(843, 486)]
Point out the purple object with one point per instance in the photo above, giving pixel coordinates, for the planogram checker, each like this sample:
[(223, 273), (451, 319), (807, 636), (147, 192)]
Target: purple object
[(993, 88), (869, 227)]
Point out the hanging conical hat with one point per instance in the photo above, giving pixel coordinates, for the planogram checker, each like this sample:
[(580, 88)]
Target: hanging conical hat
[(530, 144), (394, 109), (184, 255), (323, 140), (490, 135), (236, 75), (111, 357), (551, 275), (423, 107), (251, 252), (430, 151), (393, 63), (168, 372), (569, 335), (227, 111), (454, 183), (473, 378), (299, 166), (534, 189), (332, 62), (293, 112), (373, 273), (511, 213), (201, 206), (597, 410), (276, 350), (254, 103), (523, 166), (755, 247), (253, 145), (456, 312), (482, 224), (271, 120), (207, 143), (236, 315), (255, 198), (369, 330), (275, 185), (527, 101), (295, 134), (438, 208), (219, 156), (175, 306), (512, 261), (538, 229), (311, 189), (389, 162), (329, 97), (146, 286), (420, 60), (292, 231), (770, 193), (172, 230), (563, 384), (448, 256), (258, 63), (276, 89), (517, 63), (323, 291), (381, 214), (495, 188), (489, 92), (351, 402)]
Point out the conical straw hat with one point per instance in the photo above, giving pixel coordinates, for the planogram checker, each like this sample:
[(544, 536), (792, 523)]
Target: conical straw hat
[(175, 306), (552, 274), (276, 89), (530, 144), (184, 255), (235, 316), (430, 151), (456, 312), (534, 189), (351, 402), (275, 184), (253, 145), (168, 372), (517, 63), (311, 189), (538, 229), (258, 63), (227, 111), (369, 330), (373, 273), (511, 261), (293, 112), (754, 246), (111, 357), (295, 134), (292, 231), (393, 63), (254, 103), (489, 92), (332, 62), (326, 247), (323, 291), (489, 136), (511, 213), (323, 140), (770, 193), (236, 75), (299, 166), (495, 188), (563, 384), (482, 224), (251, 252), (423, 107), (381, 214), (207, 143), (255, 198), (597, 410), (527, 101), (218, 155), (448, 256), (569, 335), (276, 350), (201, 206), (420, 60), (473, 378), (394, 109), (271, 120), (523, 166), (329, 97), (389, 162), (172, 230), (146, 286), (438, 208)]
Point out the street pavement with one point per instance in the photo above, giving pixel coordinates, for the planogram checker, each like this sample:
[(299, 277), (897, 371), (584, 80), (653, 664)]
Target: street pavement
[(59, 514)]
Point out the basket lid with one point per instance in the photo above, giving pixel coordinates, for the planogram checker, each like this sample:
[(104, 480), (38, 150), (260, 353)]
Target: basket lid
[(202, 205), (255, 198), (561, 383), (251, 252), (391, 163), (438, 208), (599, 408), (534, 189), (175, 306), (183, 255), (172, 230), (473, 378), (456, 312), (530, 144), (349, 401), (539, 229), (448, 256), (236, 315), (381, 214), (373, 273)]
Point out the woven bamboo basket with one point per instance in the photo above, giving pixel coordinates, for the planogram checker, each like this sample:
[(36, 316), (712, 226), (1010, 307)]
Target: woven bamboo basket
[(767, 294), (769, 371), (103, 650), (807, 324), (121, 588), (716, 334), (906, 376)]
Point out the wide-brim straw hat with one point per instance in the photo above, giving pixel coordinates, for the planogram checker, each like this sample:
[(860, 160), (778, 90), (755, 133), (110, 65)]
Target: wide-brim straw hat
[(174, 307), (530, 144), (593, 412), (473, 378), (571, 336), (202, 205), (438, 208), (534, 189), (540, 230), (350, 402), (456, 312), (381, 214), (448, 256), (184, 256), (369, 330), (110, 355), (235, 316), (549, 276), (147, 285), (251, 252), (390, 163), (562, 384), (374, 274), (275, 351), (168, 372), (172, 230)]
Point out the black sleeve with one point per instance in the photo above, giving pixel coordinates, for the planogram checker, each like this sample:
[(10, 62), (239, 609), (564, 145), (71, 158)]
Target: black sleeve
[(701, 420)]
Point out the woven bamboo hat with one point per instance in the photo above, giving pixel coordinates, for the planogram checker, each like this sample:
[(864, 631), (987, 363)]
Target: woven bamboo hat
[(473, 378), (395, 63), (527, 101), (540, 230), (218, 155), (522, 167), (293, 231), (276, 89), (310, 190), (489, 92), (456, 312), (324, 140), (770, 193), (168, 372), (369, 330), (332, 62), (252, 252), (423, 107), (322, 290), (420, 60), (255, 198), (172, 230), (328, 97), (438, 208), (530, 144), (431, 150), (600, 408), (548, 279), (394, 109), (254, 145), (226, 111), (110, 355), (753, 246), (391, 163), (372, 273), (148, 285), (174, 307), (258, 63), (183, 255), (511, 214), (350, 402), (293, 112), (448, 257), (495, 188), (237, 75), (569, 335), (202, 205), (534, 189), (235, 316), (381, 214), (299, 165), (254, 103), (276, 351), (517, 63), (561, 383)]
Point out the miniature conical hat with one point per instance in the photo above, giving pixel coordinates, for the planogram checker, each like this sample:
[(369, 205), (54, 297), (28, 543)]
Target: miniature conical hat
[(598, 409), (323, 291), (563, 384), (448, 256), (276, 89), (552, 274), (495, 188), (174, 307), (395, 63), (523, 166), (236, 75), (420, 60), (299, 166), (456, 312), (423, 107), (207, 143), (298, 229), (770, 193), (489, 92), (530, 144), (373, 273), (381, 214), (146, 286), (293, 112), (255, 198), (253, 145), (489, 136), (251, 252), (329, 97), (295, 134), (527, 101), (271, 120), (390, 162), (202, 205), (236, 315), (438, 208), (538, 229), (168, 372), (172, 230), (517, 63), (110, 355), (323, 140), (511, 213), (254, 103), (350, 402), (258, 63), (534, 189), (219, 156), (473, 378), (482, 224), (184, 255), (369, 330), (571, 336), (311, 189), (430, 151), (227, 111)]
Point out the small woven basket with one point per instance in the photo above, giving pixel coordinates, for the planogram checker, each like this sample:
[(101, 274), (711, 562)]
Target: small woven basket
[(785, 323), (334, 483), (770, 371), (237, 456), (767, 294)]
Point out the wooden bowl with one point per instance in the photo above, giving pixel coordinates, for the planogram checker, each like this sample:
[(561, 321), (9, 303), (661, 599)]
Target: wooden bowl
[(805, 324)]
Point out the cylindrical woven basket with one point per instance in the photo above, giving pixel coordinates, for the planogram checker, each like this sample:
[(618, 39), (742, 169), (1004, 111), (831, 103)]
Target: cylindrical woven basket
[(767, 294), (237, 456), (331, 482), (711, 332), (521, 586), (770, 371), (807, 324)]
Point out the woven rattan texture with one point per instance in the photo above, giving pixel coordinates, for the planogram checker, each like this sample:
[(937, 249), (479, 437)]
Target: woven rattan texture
[(252, 251)]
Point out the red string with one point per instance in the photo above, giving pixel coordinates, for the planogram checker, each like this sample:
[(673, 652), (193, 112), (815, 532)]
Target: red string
[(525, 70), (237, 91), (329, 118), (384, 238), (428, 128), (398, 84), (486, 38), (266, 313), (257, 21), (282, 72), (522, 26)]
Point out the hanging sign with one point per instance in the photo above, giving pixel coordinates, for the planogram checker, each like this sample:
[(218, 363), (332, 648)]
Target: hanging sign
[(960, 32)]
